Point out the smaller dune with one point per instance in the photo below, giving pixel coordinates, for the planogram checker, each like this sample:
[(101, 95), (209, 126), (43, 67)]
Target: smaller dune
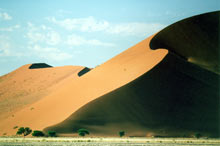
[(83, 71), (39, 65), (30, 83)]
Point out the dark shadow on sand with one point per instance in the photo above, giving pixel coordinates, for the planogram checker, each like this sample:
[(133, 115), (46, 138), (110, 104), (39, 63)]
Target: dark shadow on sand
[(83, 71), (39, 65)]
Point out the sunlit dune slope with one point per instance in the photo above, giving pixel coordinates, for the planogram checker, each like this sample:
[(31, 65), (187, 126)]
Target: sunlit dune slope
[(75, 93), (25, 86), (178, 97)]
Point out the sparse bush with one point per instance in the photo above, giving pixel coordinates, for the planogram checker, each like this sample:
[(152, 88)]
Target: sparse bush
[(197, 135), (83, 132), (121, 133), (52, 133), (38, 133), (25, 131)]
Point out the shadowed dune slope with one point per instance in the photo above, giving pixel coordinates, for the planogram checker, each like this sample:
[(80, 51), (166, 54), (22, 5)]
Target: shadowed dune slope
[(25, 86), (83, 71), (175, 98), (39, 65), (195, 39), (75, 93)]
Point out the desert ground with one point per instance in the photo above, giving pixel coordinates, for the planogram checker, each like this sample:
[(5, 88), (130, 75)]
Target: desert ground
[(108, 141)]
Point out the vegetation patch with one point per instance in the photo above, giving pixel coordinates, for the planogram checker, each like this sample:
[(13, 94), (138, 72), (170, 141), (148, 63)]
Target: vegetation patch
[(24, 131), (83, 132), (38, 133)]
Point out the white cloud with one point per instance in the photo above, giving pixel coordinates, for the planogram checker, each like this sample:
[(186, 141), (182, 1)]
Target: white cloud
[(90, 24), (6, 48), (42, 42), (5, 16), (53, 38), (75, 40), (135, 28), (42, 34), (10, 28), (50, 53), (99, 43)]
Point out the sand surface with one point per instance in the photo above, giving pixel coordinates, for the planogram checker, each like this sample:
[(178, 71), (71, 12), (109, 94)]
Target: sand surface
[(25, 86), (76, 92), (137, 86), (169, 99)]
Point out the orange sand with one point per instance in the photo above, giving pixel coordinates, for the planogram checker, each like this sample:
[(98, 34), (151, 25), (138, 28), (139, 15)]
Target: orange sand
[(76, 92)]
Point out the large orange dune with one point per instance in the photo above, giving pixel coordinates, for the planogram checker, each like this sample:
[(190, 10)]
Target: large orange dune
[(76, 92), (177, 97), (166, 92)]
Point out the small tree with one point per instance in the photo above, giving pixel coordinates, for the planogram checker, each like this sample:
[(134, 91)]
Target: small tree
[(52, 133), (121, 133), (25, 131), (37, 133), (20, 131), (83, 132)]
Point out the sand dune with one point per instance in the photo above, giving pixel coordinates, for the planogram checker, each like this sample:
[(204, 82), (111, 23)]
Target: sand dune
[(141, 91), (77, 92), (25, 86), (195, 39), (175, 98)]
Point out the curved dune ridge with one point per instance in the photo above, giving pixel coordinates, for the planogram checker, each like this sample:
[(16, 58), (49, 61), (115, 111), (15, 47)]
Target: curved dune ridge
[(75, 93), (175, 98), (196, 39), (141, 91)]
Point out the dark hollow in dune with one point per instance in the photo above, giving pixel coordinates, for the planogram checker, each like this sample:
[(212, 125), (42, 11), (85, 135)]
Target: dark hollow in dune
[(83, 71), (39, 65)]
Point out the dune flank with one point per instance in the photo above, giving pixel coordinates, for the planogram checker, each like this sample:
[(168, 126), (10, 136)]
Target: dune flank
[(25, 86), (175, 98), (75, 93), (142, 91)]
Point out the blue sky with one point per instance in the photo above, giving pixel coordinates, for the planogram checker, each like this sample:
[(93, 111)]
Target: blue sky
[(83, 32)]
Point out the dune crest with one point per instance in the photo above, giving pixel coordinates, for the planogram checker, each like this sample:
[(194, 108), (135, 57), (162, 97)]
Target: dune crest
[(196, 39), (75, 93), (168, 91), (175, 98)]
